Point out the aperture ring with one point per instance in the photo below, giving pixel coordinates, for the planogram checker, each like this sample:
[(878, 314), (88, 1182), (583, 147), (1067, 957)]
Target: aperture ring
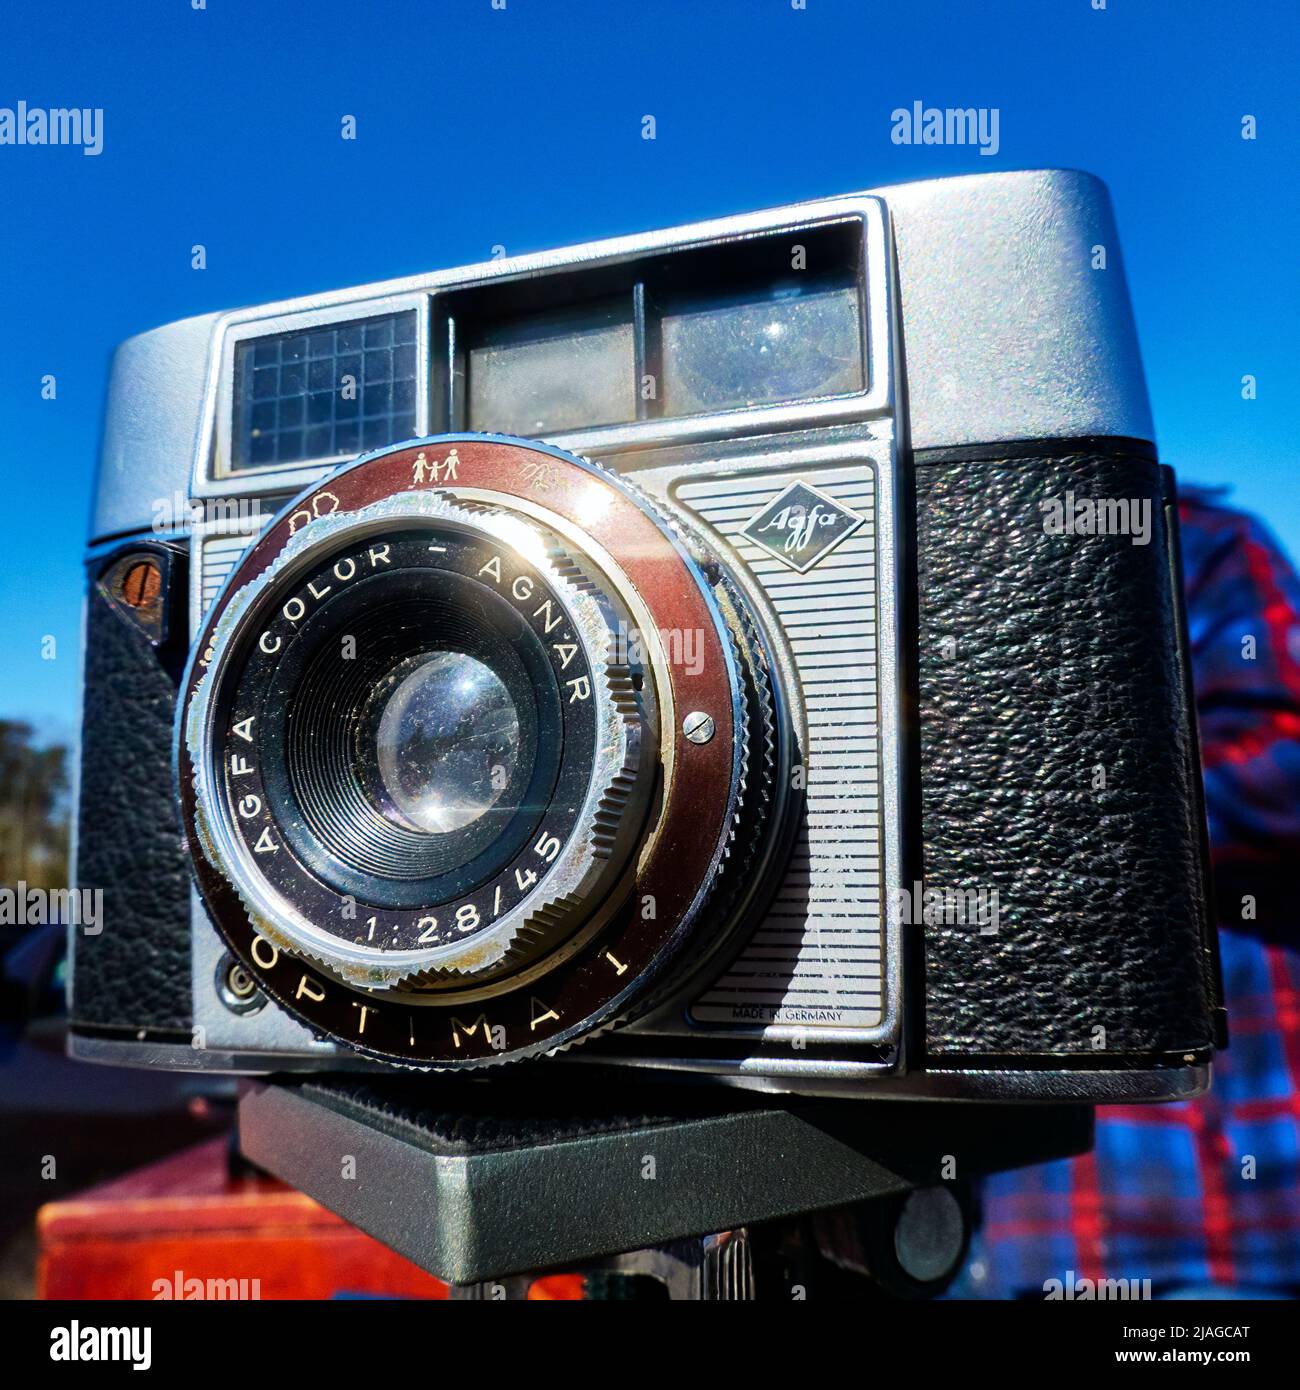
[(551, 875)]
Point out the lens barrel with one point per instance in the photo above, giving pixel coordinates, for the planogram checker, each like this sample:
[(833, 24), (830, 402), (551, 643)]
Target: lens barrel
[(424, 768)]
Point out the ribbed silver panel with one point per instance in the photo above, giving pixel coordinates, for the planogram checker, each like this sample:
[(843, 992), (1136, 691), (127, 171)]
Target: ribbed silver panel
[(212, 557), (816, 961)]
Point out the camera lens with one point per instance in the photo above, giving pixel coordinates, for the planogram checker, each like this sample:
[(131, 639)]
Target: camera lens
[(447, 742), (425, 746), (412, 729), (434, 774)]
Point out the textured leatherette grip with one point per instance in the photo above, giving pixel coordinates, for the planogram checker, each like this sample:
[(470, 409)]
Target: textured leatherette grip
[(1058, 767), (133, 977)]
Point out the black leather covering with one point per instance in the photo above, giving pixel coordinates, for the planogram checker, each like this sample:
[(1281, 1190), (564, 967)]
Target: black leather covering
[(1042, 659), (135, 975)]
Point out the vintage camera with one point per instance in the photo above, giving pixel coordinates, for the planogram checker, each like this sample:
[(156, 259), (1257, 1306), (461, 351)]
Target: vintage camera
[(753, 649)]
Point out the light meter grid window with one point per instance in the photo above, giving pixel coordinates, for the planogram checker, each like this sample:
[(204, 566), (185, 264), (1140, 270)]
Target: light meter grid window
[(325, 392)]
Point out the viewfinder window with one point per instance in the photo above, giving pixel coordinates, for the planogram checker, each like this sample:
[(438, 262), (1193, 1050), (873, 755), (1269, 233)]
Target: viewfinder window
[(680, 333), (797, 340)]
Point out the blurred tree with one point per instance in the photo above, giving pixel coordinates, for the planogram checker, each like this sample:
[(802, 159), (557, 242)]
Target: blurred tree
[(34, 812)]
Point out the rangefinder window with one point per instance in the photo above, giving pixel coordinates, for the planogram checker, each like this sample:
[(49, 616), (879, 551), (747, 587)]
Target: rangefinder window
[(560, 370), (324, 392)]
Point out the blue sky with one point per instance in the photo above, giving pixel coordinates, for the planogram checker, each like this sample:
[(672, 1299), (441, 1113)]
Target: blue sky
[(522, 127)]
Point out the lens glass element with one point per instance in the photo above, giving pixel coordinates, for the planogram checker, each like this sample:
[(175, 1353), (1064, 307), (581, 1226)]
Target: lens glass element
[(447, 742), (412, 727)]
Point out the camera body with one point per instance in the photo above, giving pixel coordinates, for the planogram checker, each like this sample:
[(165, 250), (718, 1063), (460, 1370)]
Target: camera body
[(888, 567)]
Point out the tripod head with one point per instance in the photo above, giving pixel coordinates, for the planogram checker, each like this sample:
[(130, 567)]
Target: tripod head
[(480, 1181)]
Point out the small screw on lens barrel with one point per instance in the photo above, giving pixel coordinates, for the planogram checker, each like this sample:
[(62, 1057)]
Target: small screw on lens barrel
[(698, 726), (237, 987)]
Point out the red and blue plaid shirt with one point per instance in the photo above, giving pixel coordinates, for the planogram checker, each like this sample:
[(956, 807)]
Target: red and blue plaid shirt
[(1205, 1192)]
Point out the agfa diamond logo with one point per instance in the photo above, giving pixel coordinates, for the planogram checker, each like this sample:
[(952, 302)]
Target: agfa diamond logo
[(801, 526)]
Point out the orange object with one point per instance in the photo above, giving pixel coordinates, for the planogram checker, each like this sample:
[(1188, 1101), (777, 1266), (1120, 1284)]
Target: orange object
[(185, 1228), (566, 1288)]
